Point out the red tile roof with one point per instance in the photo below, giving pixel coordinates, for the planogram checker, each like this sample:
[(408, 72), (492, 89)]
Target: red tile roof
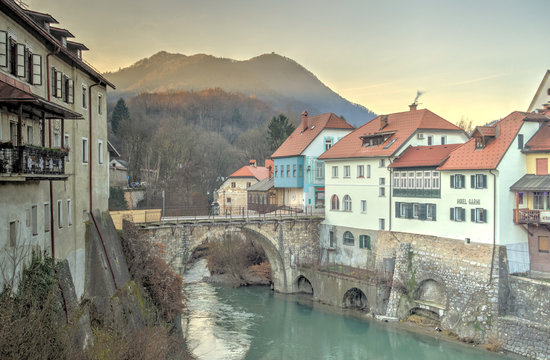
[(468, 157), (299, 140), (486, 130), (403, 124), (417, 156), (259, 172), (541, 140)]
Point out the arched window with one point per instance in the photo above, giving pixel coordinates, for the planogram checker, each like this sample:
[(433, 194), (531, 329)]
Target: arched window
[(348, 238), (347, 203), (334, 203)]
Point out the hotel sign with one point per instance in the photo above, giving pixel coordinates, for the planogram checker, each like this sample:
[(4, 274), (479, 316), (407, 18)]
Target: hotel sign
[(469, 202), (545, 217)]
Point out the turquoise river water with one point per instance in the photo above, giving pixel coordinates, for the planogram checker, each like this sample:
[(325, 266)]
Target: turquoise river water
[(254, 323)]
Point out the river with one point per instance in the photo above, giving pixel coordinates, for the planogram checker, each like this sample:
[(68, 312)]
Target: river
[(255, 323)]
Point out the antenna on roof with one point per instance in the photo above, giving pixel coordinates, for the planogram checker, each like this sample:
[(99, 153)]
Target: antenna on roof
[(415, 102)]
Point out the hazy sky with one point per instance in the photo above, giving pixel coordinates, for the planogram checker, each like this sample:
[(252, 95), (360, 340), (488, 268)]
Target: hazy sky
[(475, 59)]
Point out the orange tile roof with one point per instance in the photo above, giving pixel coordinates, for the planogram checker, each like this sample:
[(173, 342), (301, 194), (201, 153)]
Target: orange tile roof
[(417, 156), (259, 172), (541, 140), (404, 124), (299, 140), (486, 130), (468, 157)]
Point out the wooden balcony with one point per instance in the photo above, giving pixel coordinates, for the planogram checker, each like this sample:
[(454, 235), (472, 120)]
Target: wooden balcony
[(28, 162), (526, 216)]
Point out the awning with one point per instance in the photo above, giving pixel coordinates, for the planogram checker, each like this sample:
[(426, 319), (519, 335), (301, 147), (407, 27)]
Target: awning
[(14, 93), (531, 182)]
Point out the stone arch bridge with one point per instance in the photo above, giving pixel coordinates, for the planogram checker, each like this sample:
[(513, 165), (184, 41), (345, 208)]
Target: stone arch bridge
[(287, 242)]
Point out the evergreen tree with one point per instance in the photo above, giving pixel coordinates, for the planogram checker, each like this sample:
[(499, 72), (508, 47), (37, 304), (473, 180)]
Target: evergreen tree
[(278, 130), (120, 113)]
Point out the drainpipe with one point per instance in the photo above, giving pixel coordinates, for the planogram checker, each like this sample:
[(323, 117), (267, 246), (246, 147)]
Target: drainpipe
[(90, 165), (494, 224), (48, 81), (390, 181)]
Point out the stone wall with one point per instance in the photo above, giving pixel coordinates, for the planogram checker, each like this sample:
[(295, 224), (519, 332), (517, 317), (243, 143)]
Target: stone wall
[(529, 299), (522, 337)]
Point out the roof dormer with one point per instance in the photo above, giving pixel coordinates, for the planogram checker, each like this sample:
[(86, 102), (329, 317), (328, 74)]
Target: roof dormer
[(483, 135), (61, 35), (376, 138)]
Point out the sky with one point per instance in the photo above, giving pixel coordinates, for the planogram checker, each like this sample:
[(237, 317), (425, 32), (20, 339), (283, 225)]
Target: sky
[(478, 60)]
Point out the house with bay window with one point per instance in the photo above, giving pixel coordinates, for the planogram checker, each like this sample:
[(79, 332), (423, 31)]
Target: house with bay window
[(54, 166), (358, 179), (531, 212), (299, 176)]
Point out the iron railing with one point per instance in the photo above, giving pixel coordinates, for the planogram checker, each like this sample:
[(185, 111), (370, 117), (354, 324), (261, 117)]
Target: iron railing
[(29, 160), (234, 212)]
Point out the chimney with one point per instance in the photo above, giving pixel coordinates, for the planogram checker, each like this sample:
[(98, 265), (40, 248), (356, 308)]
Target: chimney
[(413, 106), (383, 121), (252, 163), (305, 124)]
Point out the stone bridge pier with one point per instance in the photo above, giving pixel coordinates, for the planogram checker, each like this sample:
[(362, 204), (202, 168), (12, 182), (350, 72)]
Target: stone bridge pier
[(287, 242)]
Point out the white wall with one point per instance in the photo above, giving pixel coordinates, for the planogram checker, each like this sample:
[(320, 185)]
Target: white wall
[(452, 137)]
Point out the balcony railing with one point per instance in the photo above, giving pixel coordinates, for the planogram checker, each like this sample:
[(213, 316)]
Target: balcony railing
[(526, 216), (31, 161), (423, 193)]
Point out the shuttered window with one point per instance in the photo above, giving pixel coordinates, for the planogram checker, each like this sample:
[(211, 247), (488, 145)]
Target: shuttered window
[(3, 48), (36, 77)]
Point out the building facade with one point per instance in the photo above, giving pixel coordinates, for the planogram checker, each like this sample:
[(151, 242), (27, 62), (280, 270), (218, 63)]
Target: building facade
[(53, 142)]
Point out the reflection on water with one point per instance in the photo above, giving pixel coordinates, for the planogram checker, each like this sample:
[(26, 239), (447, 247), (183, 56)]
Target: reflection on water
[(253, 323)]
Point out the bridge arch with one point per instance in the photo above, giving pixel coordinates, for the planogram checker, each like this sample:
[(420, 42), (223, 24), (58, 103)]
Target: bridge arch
[(355, 298), (303, 285)]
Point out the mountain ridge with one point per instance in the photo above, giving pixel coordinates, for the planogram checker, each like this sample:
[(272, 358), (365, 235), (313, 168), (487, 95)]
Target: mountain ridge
[(275, 79)]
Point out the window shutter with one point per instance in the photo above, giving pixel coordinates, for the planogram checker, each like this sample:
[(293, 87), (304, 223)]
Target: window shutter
[(367, 242), (473, 215), (463, 214), (409, 211), (20, 60), (3, 48), (64, 79), (423, 209), (59, 84), (434, 208), (36, 69), (360, 241), (484, 181), (397, 209), (452, 213), (54, 82), (71, 93), (483, 215), (452, 181), (473, 181)]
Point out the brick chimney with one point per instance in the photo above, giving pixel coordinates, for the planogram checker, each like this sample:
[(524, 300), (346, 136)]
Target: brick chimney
[(252, 163), (383, 121), (305, 123), (413, 106)]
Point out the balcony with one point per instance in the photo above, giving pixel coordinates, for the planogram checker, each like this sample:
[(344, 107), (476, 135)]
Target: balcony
[(527, 216), (27, 162)]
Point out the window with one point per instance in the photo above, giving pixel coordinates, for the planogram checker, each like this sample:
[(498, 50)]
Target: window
[(458, 181), (544, 244), (36, 69), (396, 180), (20, 61), (328, 144), (84, 150), (538, 200), (282, 171), (13, 132), (381, 224), (368, 171), (334, 202), (403, 180), (427, 179), (4, 48), (363, 206), (69, 91), (300, 170), (443, 140), (360, 171), (478, 215), (13, 233), (381, 181), (288, 171), (60, 214), (419, 181), (381, 191), (381, 163), (69, 213), (416, 211), (364, 242), (520, 141), (319, 170), (389, 144), (34, 219), (56, 139), (542, 166), (100, 151), (335, 171), (520, 198), (46, 217), (233, 184), (248, 184), (84, 92), (348, 239), (478, 181), (458, 214), (410, 180), (57, 81), (430, 140), (67, 144), (331, 239), (347, 171), (29, 135), (228, 200), (347, 203), (435, 180), (431, 212), (99, 104), (276, 170), (294, 170)]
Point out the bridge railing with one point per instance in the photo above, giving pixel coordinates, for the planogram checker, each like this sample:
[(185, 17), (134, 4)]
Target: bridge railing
[(235, 212)]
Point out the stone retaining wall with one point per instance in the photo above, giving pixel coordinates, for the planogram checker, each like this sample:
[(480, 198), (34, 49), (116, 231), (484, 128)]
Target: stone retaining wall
[(522, 337)]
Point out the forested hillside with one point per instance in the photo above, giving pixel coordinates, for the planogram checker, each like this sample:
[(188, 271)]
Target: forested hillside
[(190, 139), (279, 81)]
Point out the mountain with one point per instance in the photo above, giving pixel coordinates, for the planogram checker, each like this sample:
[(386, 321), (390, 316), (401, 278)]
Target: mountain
[(277, 80)]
